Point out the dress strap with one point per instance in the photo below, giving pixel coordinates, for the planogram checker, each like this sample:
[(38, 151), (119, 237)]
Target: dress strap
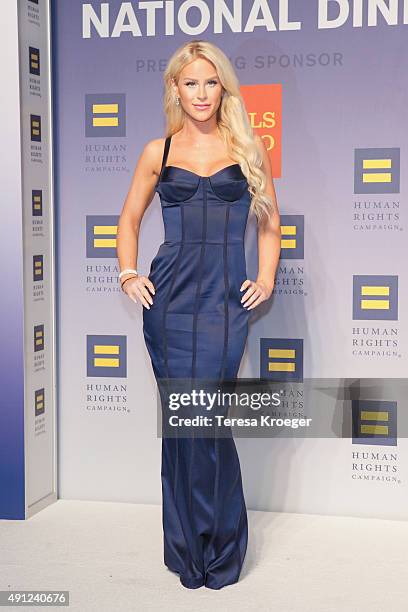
[(165, 152)]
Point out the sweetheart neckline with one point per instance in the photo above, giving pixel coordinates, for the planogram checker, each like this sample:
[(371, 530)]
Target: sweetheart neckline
[(201, 175)]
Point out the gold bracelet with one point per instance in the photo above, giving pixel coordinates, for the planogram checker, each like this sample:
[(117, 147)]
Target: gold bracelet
[(126, 279)]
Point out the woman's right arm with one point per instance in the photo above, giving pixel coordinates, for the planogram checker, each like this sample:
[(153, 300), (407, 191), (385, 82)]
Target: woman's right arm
[(139, 196)]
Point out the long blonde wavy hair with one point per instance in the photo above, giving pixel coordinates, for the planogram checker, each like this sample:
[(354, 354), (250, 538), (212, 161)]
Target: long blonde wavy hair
[(232, 118)]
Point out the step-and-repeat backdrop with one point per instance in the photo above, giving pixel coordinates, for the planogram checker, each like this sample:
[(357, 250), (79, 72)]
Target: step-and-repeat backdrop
[(324, 84), (27, 312)]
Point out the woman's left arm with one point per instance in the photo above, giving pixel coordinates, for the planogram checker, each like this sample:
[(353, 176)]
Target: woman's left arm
[(269, 244)]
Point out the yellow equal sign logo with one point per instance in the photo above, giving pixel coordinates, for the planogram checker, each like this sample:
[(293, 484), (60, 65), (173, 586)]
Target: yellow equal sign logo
[(375, 296), (281, 366), (377, 164), (35, 127), (111, 361), (281, 359), (382, 293), (34, 59), (374, 422), (100, 114), (288, 236), (370, 422), (105, 230), (106, 355), (39, 338), (37, 202), (37, 268), (39, 401)]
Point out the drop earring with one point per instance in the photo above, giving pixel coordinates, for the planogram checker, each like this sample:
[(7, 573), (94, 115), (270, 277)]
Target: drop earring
[(177, 101)]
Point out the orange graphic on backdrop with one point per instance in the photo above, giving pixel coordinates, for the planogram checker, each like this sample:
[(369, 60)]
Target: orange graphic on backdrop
[(264, 107)]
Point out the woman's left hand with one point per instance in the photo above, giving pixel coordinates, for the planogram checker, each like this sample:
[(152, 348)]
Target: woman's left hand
[(257, 292)]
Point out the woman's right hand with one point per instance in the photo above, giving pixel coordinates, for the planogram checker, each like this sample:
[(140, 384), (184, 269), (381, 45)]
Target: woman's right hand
[(137, 289)]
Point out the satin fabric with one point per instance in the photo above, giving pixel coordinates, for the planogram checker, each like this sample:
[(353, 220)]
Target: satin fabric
[(197, 327)]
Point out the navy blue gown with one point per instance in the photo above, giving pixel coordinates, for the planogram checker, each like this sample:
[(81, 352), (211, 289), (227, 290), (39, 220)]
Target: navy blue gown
[(197, 327)]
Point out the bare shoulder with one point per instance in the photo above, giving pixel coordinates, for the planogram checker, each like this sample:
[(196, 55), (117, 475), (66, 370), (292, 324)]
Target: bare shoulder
[(154, 147), (152, 154)]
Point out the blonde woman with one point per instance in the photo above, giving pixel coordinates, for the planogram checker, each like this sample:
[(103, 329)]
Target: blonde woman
[(210, 172)]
